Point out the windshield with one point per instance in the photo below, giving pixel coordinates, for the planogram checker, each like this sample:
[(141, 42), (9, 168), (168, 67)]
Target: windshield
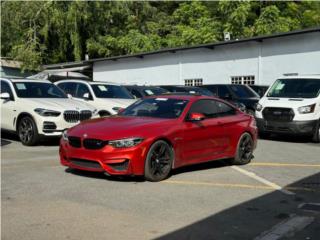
[(242, 91), (110, 91), (295, 88), (156, 107), (154, 91), (38, 90)]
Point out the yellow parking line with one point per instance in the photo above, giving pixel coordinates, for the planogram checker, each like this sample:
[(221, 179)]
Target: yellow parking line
[(283, 164), (233, 185)]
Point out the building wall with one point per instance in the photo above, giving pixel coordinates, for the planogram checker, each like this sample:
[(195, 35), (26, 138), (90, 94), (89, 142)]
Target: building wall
[(266, 60)]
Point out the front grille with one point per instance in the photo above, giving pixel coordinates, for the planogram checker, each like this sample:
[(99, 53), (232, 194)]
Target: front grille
[(91, 143), (73, 116), (74, 141), (119, 166), (85, 115), (278, 114), (85, 163)]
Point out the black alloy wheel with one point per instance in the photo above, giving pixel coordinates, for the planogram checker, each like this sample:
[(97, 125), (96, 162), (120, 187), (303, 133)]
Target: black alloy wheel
[(27, 131), (159, 161), (244, 152)]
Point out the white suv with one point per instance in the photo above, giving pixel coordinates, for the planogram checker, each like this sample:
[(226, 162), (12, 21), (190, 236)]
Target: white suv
[(291, 106), (35, 108), (108, 98)]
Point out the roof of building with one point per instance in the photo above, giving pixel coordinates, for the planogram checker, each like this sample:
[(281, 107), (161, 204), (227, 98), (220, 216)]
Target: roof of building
[(174, 50)]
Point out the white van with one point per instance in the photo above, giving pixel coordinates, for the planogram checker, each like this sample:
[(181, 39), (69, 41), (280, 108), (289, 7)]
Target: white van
[(291, 106)]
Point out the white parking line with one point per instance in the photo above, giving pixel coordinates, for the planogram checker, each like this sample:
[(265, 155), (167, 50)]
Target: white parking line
[(286, 228), (262, 180)]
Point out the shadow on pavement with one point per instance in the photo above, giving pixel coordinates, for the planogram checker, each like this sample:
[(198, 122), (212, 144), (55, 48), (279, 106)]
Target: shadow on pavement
[(191, 168), (249, 219), (288, 138), (12, 137), (4, 142)]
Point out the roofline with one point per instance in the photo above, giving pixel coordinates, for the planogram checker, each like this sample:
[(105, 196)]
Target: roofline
[(174, 50)]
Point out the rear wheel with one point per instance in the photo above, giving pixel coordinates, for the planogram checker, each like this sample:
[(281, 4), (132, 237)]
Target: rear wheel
[(316, 134), (244, 152), (27, 131), (159, 161)]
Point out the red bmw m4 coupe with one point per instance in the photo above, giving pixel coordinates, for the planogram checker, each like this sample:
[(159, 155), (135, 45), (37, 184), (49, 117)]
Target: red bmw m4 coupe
[(157, 134)]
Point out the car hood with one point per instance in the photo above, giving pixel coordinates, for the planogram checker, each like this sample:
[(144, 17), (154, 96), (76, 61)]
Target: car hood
[(286, 102), (117, 127), (117, 102), (57, 104)]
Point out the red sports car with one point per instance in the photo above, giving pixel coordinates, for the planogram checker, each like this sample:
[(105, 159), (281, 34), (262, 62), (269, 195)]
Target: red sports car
[(156, 134)]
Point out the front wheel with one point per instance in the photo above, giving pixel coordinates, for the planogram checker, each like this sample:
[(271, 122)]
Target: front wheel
[(159, 161), (316, 134), (27, 131), (244, 152)]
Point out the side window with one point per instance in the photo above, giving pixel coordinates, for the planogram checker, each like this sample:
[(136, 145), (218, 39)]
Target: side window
[(207, 107), (81, 90), (5, 88), (225, 109), (135, 93), (68, 88), (223, 91)]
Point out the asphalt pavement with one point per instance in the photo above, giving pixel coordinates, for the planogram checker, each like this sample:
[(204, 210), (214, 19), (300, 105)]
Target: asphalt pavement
[(43, 200)]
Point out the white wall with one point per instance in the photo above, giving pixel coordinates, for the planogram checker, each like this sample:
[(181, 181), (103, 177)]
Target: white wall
[(291, 54)]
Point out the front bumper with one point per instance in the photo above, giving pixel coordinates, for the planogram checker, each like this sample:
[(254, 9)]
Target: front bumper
[(125, 161), (294, 127)]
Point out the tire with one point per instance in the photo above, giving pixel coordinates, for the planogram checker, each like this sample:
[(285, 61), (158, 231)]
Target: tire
[(27, 131), (244, 150), (316, 134), (159, 161)]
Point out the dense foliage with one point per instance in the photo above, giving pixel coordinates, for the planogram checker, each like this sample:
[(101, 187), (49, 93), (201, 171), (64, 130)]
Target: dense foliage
[(57, 31)]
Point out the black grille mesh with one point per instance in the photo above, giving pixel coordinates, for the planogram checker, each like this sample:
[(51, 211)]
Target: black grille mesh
[(278, 114)]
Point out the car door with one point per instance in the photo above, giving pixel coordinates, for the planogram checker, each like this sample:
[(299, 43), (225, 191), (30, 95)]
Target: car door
[(8, 111), (203, 140)]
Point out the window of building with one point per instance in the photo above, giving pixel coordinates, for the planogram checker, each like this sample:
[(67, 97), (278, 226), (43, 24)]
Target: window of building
[(246, 80), (193, 82)]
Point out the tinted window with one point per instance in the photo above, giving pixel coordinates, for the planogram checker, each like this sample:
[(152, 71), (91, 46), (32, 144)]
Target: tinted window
[(110, 91), (207, 107), (212, 89), (242, 91), (295, 88), (68, 88), (156, 107), (225, 109), (135, 93), (38, 90), (5, 88), (153, 91), (223, 92), (81, 90)]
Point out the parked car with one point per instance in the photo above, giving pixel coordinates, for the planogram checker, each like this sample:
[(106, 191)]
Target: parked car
[(157, 134), (236, 93), (144, 91), (187, 89), (260, 89), (108, 98), (291, 106), (37, 108)]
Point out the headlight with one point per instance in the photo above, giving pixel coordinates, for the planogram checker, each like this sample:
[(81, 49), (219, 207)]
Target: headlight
[(126, 142), (65, 135), (259, 107), (307, 109), (46, 112)]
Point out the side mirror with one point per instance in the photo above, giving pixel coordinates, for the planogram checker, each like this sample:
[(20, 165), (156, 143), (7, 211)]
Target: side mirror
[(5, 96), (69, 95), (196, 117), (86, 96)]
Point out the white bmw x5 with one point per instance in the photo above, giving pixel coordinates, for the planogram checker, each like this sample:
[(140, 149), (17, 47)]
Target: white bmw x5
[(37, 108)]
